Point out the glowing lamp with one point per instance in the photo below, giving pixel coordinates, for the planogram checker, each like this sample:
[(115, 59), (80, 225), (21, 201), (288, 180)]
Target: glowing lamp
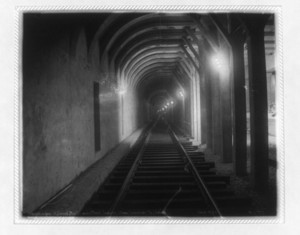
[(219, 62), (122, 91)]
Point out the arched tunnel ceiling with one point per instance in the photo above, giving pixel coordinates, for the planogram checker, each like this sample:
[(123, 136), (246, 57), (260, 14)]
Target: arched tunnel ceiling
[(145, 50), (154, 51), (148, 51)]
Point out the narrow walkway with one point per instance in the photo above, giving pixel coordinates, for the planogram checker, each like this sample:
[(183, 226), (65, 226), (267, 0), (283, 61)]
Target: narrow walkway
[(71, 200), (162, 184)]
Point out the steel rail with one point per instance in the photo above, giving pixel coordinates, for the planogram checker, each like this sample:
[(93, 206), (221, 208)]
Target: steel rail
[(129, 176), (204, 191)]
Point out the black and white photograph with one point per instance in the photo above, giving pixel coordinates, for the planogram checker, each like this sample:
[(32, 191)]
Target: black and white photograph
[(158, 115), (149, 114)]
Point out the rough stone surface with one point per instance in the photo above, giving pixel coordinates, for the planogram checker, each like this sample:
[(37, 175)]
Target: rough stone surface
[(58, 111), (71, 201)]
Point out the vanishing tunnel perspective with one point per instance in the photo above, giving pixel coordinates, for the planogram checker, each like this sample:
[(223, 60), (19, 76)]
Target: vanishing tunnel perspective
[(149, 114)]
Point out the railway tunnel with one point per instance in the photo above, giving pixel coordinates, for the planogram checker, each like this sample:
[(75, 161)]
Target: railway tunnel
[(146, 113)]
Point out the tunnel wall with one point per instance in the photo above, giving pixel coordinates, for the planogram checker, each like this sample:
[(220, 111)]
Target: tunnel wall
[(57, 117), (129, 119), (58, 110)]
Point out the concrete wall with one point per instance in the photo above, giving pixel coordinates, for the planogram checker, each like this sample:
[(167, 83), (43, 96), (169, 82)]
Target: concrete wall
[(129, 116), (58, 110)]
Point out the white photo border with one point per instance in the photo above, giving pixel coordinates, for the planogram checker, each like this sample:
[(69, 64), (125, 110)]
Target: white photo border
[(280, 138)]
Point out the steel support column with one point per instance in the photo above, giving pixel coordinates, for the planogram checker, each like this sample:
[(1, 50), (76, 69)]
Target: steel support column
[(258, 101), (240, 121)]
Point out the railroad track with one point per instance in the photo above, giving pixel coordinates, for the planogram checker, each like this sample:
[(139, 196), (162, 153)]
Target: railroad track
[(165, 176)]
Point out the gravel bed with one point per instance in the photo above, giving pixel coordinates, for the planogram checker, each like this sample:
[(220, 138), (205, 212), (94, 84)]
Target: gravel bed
[(262, 204)]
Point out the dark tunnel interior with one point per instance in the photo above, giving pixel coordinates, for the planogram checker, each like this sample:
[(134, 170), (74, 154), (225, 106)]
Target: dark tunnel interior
[(94, 84)]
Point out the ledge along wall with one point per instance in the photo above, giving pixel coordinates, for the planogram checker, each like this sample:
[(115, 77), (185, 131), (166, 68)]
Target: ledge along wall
[(58, 110)]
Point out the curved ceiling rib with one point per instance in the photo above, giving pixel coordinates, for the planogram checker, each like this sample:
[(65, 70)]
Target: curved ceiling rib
[(125, 28), (159, 65), (152, 48), (172, 61), (161, 79), (162, 31), (152, 75), (154, 67), (151, 21), (146, 52), (160, 56), (161, 34), (171, 66), (144, 44), (104, 26), (177, 62), (152, 51)]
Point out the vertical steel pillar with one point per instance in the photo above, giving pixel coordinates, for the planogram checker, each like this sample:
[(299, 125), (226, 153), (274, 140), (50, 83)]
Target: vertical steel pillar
[(258, 101), (226, 106), (240, 119)]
